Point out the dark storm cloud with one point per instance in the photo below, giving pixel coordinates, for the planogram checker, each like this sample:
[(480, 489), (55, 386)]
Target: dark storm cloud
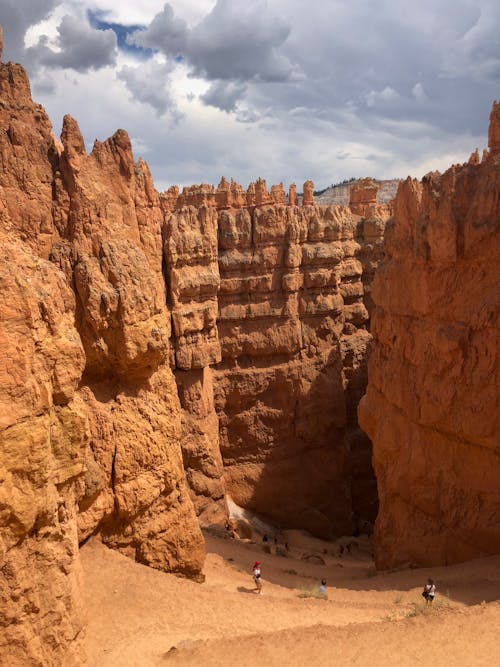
[(17, 16), (224, 95), (382, 68), (240, 40), (325, 90), (236, 42), (165, 33), (149, 84), (80, 47)]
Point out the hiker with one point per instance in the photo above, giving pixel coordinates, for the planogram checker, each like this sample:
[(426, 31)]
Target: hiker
[(429, 591), (322, 589), (257, 577), (265, 538)]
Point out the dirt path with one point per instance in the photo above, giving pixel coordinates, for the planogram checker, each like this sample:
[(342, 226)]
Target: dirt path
[(142, 617)]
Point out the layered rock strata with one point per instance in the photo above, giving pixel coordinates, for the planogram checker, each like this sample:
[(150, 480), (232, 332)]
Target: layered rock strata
[(431, 407), (276, 318), (192, 276)]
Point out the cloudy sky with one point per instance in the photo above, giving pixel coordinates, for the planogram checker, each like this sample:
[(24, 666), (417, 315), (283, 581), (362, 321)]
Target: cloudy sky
[(283, 89)]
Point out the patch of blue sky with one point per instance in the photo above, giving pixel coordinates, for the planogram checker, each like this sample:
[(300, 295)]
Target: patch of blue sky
[(97, 20)]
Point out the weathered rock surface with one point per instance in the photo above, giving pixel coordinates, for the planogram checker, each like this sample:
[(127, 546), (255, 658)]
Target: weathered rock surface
[(292, 326), (164, 352), (431, 408), (192, 274), (42, 442), (340, 194), (90, 420), (43, 426), (270, 307)]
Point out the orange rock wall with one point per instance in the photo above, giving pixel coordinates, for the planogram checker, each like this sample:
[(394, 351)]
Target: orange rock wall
[(269, 301), (192, 276), (90, 417), (431, 407), (158, 356), (292, 325)]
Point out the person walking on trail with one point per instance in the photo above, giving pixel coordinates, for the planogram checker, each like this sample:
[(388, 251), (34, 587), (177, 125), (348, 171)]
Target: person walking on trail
[(257, 577), (322, 589), (429, 591)]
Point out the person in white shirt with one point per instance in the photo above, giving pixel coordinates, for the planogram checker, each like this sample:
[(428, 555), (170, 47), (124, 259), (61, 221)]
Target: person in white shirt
[(257, 577), (429, 591)]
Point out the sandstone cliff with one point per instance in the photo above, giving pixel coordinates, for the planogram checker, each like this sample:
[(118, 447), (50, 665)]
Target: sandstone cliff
[(270, 308), (431, 407), (90, 415), (292, 326)]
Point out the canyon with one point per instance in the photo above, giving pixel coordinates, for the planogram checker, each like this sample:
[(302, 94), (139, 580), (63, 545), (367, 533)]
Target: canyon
[(166, 353)]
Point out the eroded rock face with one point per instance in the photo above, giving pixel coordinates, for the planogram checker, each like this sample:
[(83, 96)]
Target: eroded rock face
[(43, 428), (431, 408), (42, 442), (90, 420), (363, 196), (292, 325), (269, 301), (192, 273)]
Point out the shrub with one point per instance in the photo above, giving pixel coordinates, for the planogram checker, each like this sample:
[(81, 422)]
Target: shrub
[(312, 593)]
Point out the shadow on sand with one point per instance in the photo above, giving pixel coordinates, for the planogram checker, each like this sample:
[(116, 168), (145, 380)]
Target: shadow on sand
[(243, 589)]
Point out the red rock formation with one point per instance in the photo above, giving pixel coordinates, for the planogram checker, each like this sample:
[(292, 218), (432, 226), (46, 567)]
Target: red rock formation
[(494, 130), (170, 198), (91, 424), (190, 250), (292, 329), (308, 194), (229, 195), (220, 337), (196, 195), (474, 157), (292, 195), (125, 328), (43, 436), (262, 196), (290, 311), (278, 194), (250, 195), (43, 429), (26, 181), (431, 406), (363, 196)]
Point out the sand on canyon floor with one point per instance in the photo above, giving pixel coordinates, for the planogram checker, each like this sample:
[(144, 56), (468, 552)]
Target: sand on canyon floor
[(139, 617)]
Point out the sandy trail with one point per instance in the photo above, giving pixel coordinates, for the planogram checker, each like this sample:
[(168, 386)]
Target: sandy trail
[(138, 615)]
